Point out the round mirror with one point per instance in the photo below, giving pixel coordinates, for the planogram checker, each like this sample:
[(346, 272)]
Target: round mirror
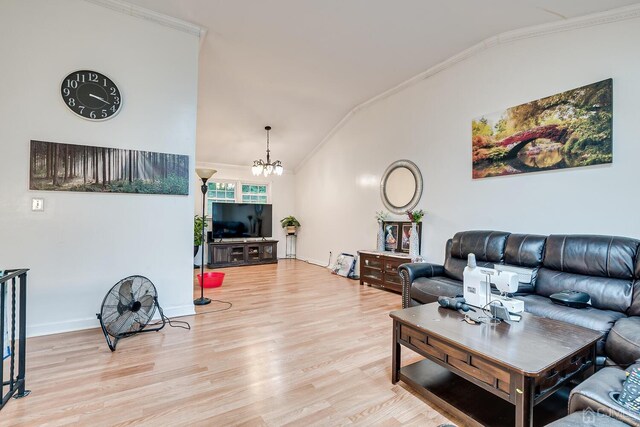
[(401, 186)]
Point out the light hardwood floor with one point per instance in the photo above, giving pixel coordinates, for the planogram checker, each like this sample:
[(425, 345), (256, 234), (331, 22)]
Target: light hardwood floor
[(300, 346)]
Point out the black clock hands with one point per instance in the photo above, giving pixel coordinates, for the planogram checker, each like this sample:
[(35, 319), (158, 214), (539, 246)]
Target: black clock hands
[(100, 98)]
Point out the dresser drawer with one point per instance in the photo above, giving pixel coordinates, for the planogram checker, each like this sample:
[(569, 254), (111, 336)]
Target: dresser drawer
[(368, 273), (391, 265), (393, 278), (373, 262)]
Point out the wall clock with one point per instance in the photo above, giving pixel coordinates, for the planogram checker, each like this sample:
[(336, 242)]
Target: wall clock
[(91, 95)]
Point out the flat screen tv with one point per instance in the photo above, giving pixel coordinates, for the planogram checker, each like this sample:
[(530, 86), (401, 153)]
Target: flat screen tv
[(241, 220)]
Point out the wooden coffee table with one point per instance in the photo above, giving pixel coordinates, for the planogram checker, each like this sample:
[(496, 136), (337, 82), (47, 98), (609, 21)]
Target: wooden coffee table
[(496, 366)]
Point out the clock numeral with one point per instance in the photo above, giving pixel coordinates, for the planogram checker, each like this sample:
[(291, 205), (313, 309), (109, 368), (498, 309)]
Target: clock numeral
[(81, 107), (66, 91), (93, 77), (116, 100), (104, 82), (113, 91), (80, 77), (72, 83), (72, 102), (104, 113), (113, 108), (92, 114)]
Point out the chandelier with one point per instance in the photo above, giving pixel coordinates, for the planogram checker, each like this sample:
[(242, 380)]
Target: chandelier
[(260, 167)]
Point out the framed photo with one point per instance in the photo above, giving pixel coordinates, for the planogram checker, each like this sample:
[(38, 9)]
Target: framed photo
[(397, 234), (391, 236), (406, 235), (344, 266)]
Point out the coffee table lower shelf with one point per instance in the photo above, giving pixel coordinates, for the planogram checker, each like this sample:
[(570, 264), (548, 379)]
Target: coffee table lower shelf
[(472, 403)]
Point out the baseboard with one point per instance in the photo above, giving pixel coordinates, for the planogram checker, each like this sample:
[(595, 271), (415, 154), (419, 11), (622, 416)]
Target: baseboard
[(64, 326), (93, 322), (314, 262), (179, 310)]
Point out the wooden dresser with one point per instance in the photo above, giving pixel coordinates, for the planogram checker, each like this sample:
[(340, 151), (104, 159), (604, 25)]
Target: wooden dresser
[(380, 269)]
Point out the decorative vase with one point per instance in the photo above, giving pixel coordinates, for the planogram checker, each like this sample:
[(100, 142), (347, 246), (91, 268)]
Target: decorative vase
[(414, 250), (380, 242)]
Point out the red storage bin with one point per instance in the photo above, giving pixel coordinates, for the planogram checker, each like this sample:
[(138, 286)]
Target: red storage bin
[(212, 279)]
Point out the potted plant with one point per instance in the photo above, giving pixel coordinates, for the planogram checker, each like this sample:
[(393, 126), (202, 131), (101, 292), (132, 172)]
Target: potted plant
[(290, 223), (415, 216), (199, 223)]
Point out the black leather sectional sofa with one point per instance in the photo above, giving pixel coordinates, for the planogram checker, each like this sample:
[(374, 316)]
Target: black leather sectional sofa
[(605, 267)]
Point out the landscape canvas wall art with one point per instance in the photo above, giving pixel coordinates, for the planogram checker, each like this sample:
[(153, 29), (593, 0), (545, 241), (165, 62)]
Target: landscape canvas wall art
[(567, 130), (68, 167)]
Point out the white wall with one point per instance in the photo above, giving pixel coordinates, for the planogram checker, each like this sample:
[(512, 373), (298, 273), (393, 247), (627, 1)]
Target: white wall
[(83, 243), (337, 190), (282, 196)]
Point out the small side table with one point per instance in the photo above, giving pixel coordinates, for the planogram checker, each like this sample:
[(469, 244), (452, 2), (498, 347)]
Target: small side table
[(290, 246)]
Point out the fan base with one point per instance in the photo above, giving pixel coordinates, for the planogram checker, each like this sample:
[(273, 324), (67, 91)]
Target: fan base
[(201, 301)]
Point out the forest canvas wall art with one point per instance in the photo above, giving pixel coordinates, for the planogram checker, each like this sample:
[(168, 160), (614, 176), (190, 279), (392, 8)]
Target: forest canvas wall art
[(68, 167), (566, 130)]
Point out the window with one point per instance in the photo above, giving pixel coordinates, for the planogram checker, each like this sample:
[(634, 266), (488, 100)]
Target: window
[(254, 193), (232, 192), (220, 192)]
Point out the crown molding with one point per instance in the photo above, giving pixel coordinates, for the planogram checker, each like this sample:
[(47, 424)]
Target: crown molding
[(592, 20), (233, 167), (149, 15)]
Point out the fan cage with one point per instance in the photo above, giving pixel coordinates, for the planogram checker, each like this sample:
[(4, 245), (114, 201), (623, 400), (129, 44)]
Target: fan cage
[(129, 306)]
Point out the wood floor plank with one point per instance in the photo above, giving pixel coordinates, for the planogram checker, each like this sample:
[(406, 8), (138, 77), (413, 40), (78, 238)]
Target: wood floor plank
[(299, 347)]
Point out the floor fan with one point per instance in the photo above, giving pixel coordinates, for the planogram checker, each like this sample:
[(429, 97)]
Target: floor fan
[(127, 309)]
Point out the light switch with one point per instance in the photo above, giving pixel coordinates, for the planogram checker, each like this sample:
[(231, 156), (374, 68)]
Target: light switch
[(37, 204)]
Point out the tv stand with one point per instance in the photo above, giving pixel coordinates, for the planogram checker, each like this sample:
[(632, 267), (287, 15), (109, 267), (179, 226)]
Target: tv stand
[(235, 253)]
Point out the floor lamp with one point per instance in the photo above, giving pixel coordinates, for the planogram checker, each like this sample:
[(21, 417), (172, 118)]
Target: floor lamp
[(204, 175)]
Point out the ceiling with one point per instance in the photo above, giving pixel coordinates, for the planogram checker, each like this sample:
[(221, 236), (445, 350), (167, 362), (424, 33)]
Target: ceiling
[(302, 65)]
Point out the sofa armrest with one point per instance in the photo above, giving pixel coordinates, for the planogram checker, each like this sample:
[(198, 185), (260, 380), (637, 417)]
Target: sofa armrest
[(593, 394), (411, 271), (623, 341)]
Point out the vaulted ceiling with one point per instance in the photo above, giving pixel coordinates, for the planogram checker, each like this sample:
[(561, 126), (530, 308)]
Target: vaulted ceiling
[(302, 65)]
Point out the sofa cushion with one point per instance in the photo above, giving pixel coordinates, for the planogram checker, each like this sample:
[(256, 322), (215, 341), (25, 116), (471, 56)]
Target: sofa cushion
[(487, 246), (623, 342), (454, 267), (427, 289), (606, 293), (592, 318), (602, 256), (524, 250)]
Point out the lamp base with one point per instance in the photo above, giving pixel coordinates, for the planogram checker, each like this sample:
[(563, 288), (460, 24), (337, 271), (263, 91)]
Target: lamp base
[(201, 301)]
